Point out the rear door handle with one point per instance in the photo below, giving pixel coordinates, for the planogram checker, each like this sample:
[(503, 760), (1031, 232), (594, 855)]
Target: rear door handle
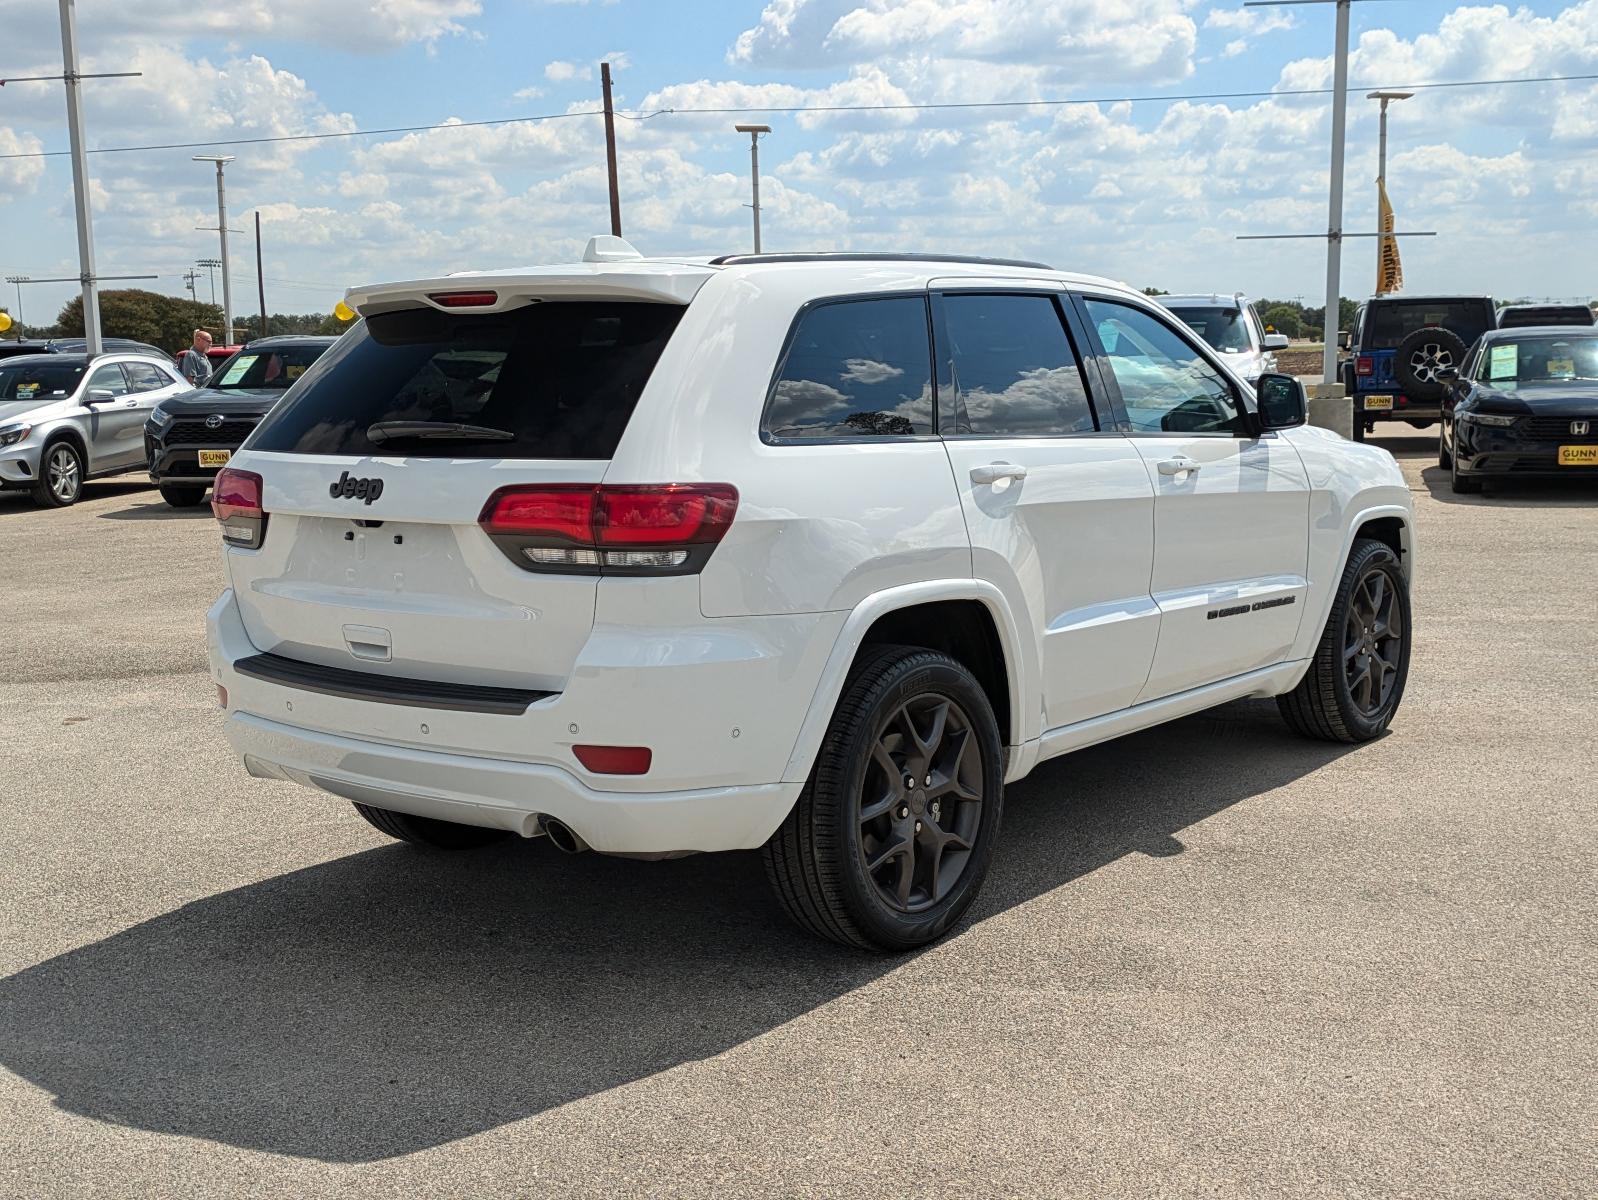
[(1177, 465), (994, 472)]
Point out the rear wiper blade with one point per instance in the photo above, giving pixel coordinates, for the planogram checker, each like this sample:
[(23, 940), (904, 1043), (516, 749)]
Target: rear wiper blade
[(444, 431)]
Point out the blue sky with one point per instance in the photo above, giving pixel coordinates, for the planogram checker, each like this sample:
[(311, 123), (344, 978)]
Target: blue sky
[(1154, 193)]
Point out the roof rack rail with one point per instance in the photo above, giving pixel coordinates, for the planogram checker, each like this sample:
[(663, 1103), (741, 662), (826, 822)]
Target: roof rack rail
[(737, 260)]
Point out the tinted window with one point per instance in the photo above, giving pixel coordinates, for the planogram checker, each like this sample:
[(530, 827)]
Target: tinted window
[(1392, 321), (1165, 383), (146, 377), (38, 381), (857, 368), (1226, 329), (1553, 314), (109, 378), (1014, 367), (270, 369), (560, 377)]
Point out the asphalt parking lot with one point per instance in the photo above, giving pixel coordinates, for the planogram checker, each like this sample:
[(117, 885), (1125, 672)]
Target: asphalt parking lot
[(1212, 960)]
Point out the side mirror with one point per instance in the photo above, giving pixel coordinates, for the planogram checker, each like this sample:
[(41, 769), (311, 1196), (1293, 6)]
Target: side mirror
[(1344, 339), (1446, 374), (1276, 341), (1280, 402), (101, 396)]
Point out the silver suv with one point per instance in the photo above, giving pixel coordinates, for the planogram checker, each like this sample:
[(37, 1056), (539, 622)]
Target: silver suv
[(65, 418), (1232, 327)]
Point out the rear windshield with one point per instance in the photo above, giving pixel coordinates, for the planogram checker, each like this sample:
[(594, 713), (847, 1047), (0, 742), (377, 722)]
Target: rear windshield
[(1573, 314), (1391, 322), (560, 378), (1225, 329)]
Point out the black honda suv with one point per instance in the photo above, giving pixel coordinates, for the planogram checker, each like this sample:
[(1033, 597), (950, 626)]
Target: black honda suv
[(191, 437)]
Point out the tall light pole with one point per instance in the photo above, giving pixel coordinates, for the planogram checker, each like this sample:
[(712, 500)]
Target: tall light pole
[(754, 132), (1381, 164), (221, 160), (1334, 219), (18, 280), (210, 265), (80, 175)]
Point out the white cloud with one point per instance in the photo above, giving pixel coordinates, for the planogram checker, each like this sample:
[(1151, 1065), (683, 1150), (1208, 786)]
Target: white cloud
[(527, 93), (564, 72), (619, 60), (1248, 20), (19, 175)]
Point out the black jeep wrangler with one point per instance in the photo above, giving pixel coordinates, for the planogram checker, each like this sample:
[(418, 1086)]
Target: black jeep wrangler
[(1399, 345)]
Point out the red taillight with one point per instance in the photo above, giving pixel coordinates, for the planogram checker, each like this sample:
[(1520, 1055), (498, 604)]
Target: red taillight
[(236, 501), (674, 515), (1364, 364), (614, 760), (652, 529), (464, 299)]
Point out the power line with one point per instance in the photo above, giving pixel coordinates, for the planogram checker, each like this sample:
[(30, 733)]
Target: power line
[(639, 115)]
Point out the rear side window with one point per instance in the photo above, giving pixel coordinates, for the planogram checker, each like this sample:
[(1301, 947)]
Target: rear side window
[(146, 377), (855, 368), (1014, 368), (559, 378)]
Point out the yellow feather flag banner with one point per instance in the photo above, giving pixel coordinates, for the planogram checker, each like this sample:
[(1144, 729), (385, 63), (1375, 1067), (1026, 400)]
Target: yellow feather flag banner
[(1389, 270)]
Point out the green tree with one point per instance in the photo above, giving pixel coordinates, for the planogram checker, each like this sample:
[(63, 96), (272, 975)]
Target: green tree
[(1286, 319), (164, 321), (1154, 291)]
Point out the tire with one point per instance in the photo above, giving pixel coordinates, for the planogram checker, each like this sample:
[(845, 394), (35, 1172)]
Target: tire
[(428, 831), (1326, 704), (1445, 460), (182, 496), (1461, 485), (1420, 424), (1418, 357), (819, 861), (60, 475)]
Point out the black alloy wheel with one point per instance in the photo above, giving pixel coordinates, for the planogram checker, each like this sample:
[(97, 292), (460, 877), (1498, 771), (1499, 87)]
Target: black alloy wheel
[(1373, 642), (921, 805), (1357, 673), (891, 838)]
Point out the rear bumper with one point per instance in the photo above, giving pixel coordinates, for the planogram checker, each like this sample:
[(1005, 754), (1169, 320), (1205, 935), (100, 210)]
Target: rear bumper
[(509, 795), (719, 705)]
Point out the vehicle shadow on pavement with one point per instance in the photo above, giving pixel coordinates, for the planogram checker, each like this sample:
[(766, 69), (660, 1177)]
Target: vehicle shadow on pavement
[(157, 510), (14, 503), (1525, 492), (392, 1001)]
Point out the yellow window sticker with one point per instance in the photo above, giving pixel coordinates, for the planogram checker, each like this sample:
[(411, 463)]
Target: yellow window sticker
[(27, 391), (294, 370), (1561, 368), (1505, 362)]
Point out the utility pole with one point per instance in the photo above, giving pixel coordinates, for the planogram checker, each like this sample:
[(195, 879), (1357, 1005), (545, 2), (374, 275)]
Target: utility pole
[(18, 280), (260, 280), (610, 151), (191, 277), (1381, 167), (754, 132), (221, 160), (80, 175)]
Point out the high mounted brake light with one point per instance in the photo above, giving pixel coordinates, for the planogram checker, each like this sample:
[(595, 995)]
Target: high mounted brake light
[(236, 501), (621, 529), (464, 299)]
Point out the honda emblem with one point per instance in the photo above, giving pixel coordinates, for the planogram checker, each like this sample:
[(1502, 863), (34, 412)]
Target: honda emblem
[(1580, 428)]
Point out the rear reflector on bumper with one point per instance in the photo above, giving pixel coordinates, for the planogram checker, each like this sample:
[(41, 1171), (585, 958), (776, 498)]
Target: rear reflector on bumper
[(614, 760)]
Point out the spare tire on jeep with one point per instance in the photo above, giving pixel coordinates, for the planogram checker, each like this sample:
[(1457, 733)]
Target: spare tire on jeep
[(1418, 357)]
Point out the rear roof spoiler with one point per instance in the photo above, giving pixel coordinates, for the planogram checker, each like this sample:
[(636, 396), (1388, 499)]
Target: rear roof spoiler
[(654, 282)]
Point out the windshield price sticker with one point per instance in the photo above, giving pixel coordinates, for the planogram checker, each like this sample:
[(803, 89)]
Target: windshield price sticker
[(1505, 361), (236, 372), (27, 391), (1561, 368)]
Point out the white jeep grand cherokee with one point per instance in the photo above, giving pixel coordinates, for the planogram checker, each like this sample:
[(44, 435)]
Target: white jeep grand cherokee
[(811, 553)]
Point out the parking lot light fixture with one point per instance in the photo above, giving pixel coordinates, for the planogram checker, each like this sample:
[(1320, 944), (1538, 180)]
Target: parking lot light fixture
[(221, 160), (754, 132)]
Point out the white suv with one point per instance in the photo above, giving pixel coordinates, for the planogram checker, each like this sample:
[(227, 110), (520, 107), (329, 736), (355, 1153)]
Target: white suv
[(812, 553), (1232, 326)]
